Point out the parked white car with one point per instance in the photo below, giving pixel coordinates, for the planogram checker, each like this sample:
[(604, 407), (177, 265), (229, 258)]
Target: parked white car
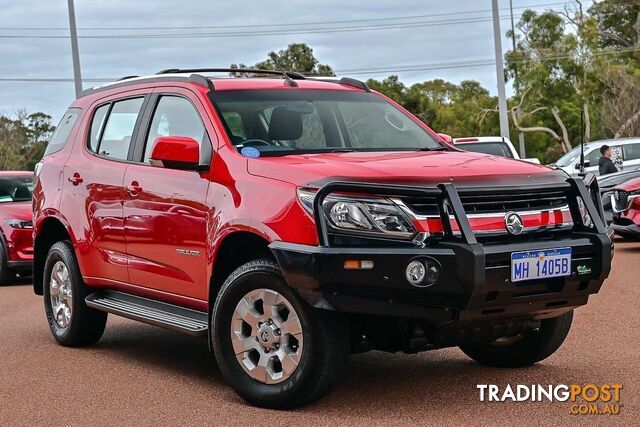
[(494, 145), (625, 153)]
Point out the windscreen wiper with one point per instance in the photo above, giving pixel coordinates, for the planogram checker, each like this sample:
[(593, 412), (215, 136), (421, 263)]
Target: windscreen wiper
[(432, 149), (343, 150)]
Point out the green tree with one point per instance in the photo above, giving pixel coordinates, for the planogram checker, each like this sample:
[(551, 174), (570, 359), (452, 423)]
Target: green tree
[(23, 140), (296, 57)]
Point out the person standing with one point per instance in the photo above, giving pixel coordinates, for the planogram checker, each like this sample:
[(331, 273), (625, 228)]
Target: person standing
[(605, 164)]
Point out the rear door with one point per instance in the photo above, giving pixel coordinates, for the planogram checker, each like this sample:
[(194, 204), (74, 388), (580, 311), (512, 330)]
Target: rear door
[(164, 209), (93, 180)]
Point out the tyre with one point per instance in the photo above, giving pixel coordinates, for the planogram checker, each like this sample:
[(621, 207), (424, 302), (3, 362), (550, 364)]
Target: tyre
[(525, 349), (275, 350), (72, 323)]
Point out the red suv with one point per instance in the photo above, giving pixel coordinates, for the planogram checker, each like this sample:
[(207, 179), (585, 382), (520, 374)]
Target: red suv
[(625, 204), (293, 221), (16, 228)]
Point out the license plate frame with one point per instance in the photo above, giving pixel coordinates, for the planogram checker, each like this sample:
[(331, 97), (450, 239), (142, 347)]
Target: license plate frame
[(540, 264)]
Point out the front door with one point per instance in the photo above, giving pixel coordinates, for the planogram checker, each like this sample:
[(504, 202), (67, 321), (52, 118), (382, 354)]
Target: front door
[(164, 210)]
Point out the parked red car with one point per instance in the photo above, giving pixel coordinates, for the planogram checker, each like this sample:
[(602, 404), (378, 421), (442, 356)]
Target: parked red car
[(16, 227), (625, 203), (296, 220)]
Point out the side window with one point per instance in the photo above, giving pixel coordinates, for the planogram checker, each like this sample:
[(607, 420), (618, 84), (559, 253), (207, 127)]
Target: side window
[(593, 157), (62, 132), (174, 116), (631, 151), (118, 128)]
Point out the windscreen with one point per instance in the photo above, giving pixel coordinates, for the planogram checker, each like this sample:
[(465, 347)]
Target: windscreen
[(570, 157), (280, 122), (16, 189)]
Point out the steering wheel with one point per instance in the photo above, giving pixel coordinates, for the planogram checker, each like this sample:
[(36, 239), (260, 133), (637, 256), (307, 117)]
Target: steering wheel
[(254, 142)]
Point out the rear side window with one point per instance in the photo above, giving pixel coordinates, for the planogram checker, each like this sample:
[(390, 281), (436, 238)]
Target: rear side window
[(631, 151), (111, 136), (62, 132)]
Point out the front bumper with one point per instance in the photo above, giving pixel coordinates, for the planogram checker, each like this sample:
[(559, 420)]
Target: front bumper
[(626, 230), (474, 286), (20, 266)]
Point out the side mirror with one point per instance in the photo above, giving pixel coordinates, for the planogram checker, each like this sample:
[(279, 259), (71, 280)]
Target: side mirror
[(177, 152), (587, 163), (446, 138)]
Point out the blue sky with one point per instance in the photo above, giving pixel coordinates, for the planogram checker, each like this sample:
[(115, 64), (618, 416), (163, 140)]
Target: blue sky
[(463, 33)]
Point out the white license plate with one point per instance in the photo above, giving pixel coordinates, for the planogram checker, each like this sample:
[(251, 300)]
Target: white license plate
[(540, 264)]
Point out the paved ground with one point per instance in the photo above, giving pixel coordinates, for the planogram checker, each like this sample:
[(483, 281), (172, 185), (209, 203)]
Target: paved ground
[(141, 375)]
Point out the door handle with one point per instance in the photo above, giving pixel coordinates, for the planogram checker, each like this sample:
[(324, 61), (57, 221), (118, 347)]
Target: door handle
[(134, 189), (75, 179)]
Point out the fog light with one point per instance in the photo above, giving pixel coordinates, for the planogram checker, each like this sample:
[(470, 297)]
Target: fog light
[(416, 272), (423, 272)]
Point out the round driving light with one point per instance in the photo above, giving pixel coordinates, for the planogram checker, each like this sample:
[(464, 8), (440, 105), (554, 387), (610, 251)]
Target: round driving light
[(423, 272), (416, 272)]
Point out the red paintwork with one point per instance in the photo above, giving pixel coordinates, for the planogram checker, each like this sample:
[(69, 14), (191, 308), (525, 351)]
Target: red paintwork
[(126, 220), (633, 213), (446, 138), (19, 241), (496, 223), (176, 149)]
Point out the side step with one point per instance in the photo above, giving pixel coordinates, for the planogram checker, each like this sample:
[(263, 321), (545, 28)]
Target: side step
[(149, 311)]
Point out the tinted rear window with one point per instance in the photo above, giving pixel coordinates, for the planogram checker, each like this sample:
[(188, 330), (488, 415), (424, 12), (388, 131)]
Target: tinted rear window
[(63, 130), (497, 148)]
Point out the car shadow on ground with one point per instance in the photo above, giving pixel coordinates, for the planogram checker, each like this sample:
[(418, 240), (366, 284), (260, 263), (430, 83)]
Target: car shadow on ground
[(162, 348), (20, 281), (627, 246), (397, 379)]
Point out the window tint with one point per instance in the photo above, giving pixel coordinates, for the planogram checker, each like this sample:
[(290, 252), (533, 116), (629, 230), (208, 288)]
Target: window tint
[(16, 188), (116, 137), (174, 116), (62, 132), (497, 148), (96, 126), (631, 151)]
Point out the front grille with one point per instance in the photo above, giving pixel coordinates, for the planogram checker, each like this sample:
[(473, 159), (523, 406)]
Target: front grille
[(622, 199), (495, 203)]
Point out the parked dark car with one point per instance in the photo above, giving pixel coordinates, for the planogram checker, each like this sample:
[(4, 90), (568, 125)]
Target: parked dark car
[(608, 182)]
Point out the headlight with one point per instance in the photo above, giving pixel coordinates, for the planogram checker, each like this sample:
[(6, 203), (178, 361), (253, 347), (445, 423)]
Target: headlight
[(19, 223), (378, 216)]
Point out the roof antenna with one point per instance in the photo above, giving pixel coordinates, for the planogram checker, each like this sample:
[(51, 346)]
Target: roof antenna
[(582, 143), (287, 79)]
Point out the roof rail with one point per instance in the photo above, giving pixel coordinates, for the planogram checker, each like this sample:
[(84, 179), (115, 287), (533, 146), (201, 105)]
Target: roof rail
[(127, 78), (347, 81), (291, 74)]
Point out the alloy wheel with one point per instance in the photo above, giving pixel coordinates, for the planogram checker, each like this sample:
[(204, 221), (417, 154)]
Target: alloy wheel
[(266, 335), (61, 294)]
